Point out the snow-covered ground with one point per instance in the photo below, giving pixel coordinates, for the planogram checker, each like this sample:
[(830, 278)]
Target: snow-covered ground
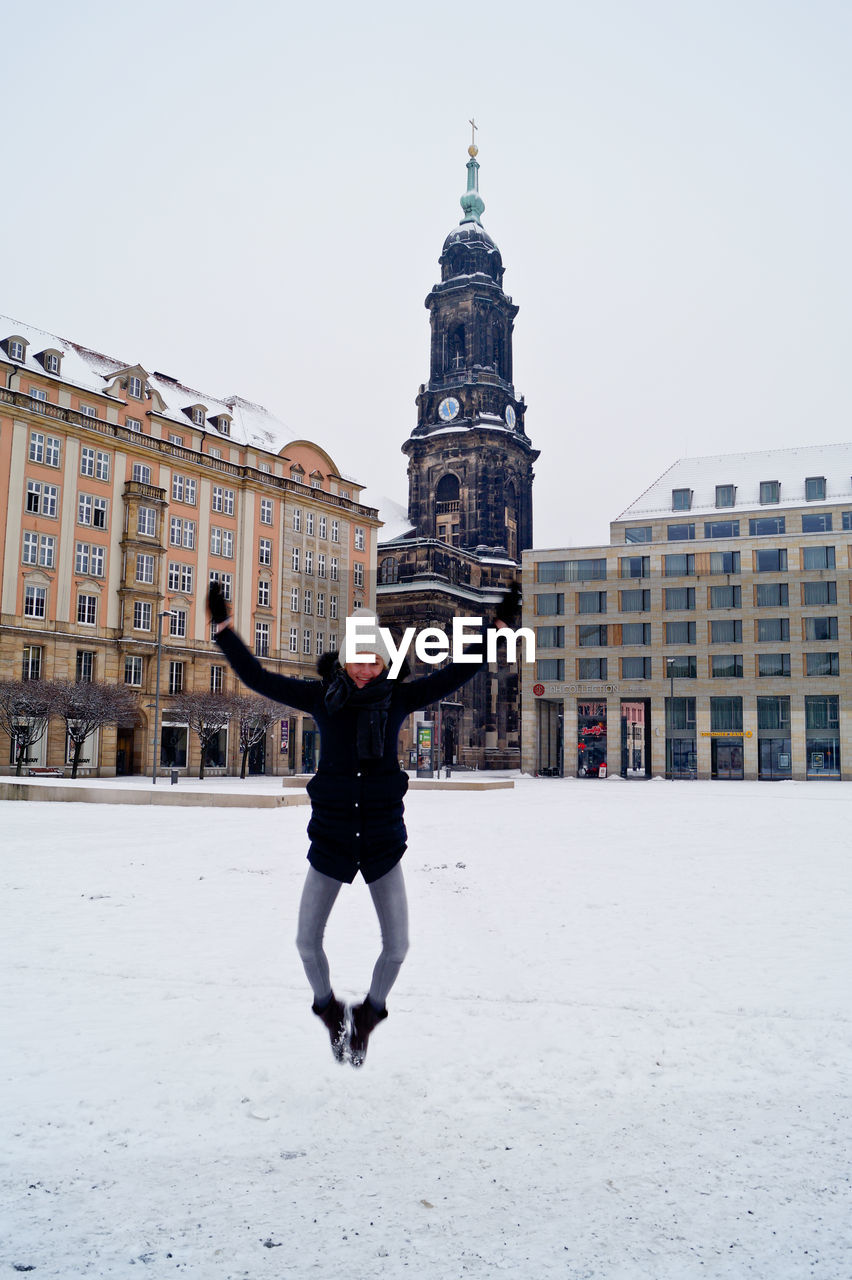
[(619, 1049)]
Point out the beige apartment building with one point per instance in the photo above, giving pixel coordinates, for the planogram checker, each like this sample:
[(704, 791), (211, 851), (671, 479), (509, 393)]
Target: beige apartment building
[(123, 493), (712, 637)]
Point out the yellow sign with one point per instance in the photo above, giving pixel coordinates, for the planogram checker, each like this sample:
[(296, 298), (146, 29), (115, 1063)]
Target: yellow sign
[(726, 733)]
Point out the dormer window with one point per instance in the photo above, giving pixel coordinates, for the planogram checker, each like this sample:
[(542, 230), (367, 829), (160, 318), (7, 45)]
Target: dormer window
[(223, 424), (134, 387), (198, 416), (16, 348), (726, 495), (297, 475), (770, 491), (681, 499), (815, 489), (50, 361)]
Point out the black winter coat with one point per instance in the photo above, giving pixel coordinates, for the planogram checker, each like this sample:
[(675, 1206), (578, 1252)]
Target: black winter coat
[(357, 805)]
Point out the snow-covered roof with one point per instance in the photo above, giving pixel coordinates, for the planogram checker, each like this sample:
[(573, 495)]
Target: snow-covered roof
[(90, 370), (746, 471), (393, 513)]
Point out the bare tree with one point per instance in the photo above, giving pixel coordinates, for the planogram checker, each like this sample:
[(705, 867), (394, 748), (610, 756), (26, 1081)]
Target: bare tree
[(255, 717), (89, 705), (207, 714), (25, 710)]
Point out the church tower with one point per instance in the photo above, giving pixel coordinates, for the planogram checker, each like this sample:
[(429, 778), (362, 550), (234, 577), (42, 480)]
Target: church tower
[(470, 461)]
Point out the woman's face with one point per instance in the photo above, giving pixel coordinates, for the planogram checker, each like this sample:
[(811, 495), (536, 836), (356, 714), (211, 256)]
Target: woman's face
[(361, 673)]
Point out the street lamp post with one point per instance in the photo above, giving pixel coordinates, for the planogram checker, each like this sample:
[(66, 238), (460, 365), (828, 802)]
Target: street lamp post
[(165, 613)]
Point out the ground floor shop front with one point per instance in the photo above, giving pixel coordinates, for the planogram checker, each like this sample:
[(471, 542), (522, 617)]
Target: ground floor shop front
[(600, 731)]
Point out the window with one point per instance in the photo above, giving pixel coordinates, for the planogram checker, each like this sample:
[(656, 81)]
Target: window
[(297, 520), (726, 666), (263, 593), (264, 551), (820, 628), (261, 639), (822, 713), (294, 640), (306, 641), (87, 610), (181, 577), (92, 511), (819, 522), (294, 599), (215, 453), (817, 557), (296, 477), (16, 350), (591, 602), (358, 574), (296, 559), (773, 713), (29, 554), (680, 714), (320, 604), (359, 540), (678, 566), (724, 561), (133, 671), (635, 601), (726, 597), (85, 669), (266, 511), (323, 526), (217, 678), (89, 560), (680, 532), (726, 496), (822, 664), (551, 604), (773, 665), (587, 668), (681, 499), (771, 560), (321, 567), (225, 580), (177, 623), (308, 601), (332, 607), (44, 449), (847, 520), (134, 387), (636, 633), (335, 530), (309, 524), (572, 570), (222, 500), (141, 473), (39, 398), (766, 525), (634, 567), (679, 597), (133, 424), (197, 417), (772, 630), (175, 677), (333, 569), (141, 615), (31, 662), (639, 533), (146, 522), (682, 667), (221, 542), (815, 489), (817, 593), (636, 668), (87, 461), (726, 715), (184, 489), (550, 637), (726, 631), (35, 601), (144, 568), (589, 636), (680, 632), (772, 595), (721, 528), (770, 491)]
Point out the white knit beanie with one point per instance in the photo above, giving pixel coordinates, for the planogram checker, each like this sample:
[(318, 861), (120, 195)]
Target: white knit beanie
[(369, 641)]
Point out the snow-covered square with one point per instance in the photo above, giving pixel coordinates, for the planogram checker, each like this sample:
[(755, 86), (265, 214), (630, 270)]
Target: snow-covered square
[(619, 1048)]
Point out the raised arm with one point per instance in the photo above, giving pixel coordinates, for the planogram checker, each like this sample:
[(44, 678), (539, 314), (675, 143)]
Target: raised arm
[(300, 694)]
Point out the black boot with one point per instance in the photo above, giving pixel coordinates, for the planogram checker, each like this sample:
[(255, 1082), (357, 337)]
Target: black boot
[(333, 1015), (365, 1018)]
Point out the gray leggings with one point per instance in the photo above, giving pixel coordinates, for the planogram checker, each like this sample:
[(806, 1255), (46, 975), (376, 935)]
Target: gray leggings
[(319, 896)]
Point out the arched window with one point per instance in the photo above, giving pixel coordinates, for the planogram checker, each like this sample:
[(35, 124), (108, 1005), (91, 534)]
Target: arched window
[(389, 570), (447, 490), (456, 348)]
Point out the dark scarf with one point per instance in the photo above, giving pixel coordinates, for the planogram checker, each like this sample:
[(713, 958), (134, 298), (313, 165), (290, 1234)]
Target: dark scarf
[(371, 703)]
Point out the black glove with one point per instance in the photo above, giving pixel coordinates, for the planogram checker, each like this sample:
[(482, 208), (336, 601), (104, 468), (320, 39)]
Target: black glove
[(217, 604), (507, 609)]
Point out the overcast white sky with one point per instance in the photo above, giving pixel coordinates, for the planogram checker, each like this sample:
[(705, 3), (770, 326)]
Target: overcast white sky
[(253, 198)]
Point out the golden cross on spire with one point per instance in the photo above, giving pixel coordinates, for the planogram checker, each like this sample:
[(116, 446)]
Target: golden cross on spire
[(473, 148)]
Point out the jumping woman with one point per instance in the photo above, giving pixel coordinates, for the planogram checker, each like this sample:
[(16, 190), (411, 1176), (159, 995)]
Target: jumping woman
[(356, 800)]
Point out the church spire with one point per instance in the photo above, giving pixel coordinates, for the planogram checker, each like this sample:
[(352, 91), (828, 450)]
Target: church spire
[(471, 202)]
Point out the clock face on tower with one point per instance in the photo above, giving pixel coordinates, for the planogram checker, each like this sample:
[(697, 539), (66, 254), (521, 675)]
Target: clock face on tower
[(448, 408), (510, 417)]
